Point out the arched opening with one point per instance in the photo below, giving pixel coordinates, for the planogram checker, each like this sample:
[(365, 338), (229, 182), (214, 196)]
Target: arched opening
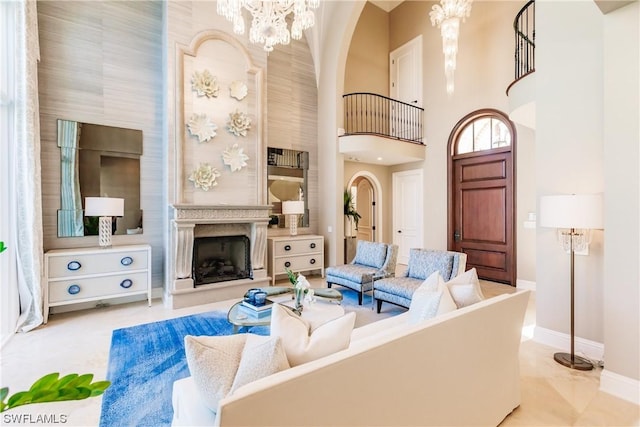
[(481, 169)]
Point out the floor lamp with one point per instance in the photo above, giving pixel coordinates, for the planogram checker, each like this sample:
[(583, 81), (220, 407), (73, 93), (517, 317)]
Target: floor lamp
[(574, 216), (105, 208), (293, 208)]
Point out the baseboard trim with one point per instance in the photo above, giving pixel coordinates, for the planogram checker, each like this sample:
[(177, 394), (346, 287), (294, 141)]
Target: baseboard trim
[(620, 386), (590, 349), (525, 284)]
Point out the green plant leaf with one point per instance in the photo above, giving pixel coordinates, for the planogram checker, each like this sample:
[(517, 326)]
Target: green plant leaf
[(99, 387), (4, 392), (45, 382), (44, 396), (64, 381), (2, 247), (80, 381), (20, 398)]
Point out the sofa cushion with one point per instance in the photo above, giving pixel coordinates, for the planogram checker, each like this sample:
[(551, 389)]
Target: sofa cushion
[(213, 363), (371, 254), (300, 344), (426, 299), (423, 262), (353, 272), (465, 288), (261, 357)]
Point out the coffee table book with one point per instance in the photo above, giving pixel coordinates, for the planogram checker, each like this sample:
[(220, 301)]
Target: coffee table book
[(266, 306), (254, 314)]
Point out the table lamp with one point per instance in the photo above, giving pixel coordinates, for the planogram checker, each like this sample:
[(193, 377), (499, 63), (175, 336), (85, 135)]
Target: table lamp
[(105, 208), (293, 208), (575, 215)]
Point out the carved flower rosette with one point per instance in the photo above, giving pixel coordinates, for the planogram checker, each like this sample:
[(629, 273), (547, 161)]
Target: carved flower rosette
[(204, 177), (235, 158), (205, 84), (199, 125), (238, 90), (239, 123)]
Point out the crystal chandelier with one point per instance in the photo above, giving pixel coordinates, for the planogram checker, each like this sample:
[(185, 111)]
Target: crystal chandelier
[(269, 23), (447, 16)]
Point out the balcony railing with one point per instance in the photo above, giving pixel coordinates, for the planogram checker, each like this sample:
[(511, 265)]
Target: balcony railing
[(525, 31), (371, 114)]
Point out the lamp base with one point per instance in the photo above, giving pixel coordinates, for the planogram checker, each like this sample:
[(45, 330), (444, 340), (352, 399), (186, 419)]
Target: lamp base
[(293, 224), (579, 363), (104, 238)]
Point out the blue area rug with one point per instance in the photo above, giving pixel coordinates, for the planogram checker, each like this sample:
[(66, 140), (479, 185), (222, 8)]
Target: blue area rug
[(145, 360)]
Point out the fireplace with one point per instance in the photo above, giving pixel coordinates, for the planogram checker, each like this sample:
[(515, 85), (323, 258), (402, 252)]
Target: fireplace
[(220, 259)]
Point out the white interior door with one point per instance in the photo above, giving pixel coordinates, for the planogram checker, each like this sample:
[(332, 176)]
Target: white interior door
[(364, 206), (405, 85), (407, 212)]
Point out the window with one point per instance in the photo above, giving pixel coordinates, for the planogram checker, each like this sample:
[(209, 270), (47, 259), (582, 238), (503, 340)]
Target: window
[(482, 131)]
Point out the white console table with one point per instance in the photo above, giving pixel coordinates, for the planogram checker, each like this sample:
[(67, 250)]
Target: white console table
[(297, 253), (75, 276)]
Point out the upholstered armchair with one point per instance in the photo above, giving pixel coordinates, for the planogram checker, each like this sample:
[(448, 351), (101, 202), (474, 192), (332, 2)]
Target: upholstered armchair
[(422, 262), (372, 260)]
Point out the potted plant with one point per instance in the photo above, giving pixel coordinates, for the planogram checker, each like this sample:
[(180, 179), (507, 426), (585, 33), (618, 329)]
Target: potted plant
[(350, 213)]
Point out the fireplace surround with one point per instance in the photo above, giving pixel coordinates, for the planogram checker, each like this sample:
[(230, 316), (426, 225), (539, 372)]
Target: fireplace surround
[(192, 222)]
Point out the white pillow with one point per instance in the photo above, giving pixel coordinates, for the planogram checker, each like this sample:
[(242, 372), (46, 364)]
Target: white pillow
[(261, 357), (301, 346), (425, 300), (447, 303), (213, 362), (465, 288)]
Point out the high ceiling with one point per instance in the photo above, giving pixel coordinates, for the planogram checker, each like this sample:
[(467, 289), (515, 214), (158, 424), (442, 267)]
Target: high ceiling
[(386, 5)]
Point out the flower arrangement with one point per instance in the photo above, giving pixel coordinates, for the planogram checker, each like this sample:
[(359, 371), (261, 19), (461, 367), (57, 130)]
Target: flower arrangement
[(301, 289)]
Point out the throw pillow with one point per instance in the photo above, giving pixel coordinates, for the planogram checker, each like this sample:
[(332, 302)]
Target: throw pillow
[(465, 288), (371, 254), (300, 345), (425, 300), (261, 357), (213, 363), (424, 262)]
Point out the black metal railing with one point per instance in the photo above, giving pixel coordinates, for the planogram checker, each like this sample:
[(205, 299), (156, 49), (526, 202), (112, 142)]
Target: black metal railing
[(525, 31), (371, 114)]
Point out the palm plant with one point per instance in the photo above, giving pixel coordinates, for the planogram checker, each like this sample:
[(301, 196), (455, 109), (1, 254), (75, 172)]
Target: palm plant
[(349, 208)]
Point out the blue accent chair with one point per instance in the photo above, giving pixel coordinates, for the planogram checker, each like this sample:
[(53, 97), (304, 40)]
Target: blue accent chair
[(371, 259), (422, 263)]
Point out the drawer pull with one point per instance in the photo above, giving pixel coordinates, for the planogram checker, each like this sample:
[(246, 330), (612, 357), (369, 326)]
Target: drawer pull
[(126, 283), (287, 264), (287, 247), (126, 261), (73, 289), (312, 261), (313, 245), (74, 266)]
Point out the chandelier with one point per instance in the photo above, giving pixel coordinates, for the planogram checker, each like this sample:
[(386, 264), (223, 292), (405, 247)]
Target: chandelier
[(447, 16), (269, 19)]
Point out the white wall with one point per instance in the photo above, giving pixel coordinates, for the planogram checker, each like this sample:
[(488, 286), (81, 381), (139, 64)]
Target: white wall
[(569, 150), (622, 192)]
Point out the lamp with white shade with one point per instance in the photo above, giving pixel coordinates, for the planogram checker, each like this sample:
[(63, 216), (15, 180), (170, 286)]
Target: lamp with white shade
[(105, 208), (293, 208), (575, 215)]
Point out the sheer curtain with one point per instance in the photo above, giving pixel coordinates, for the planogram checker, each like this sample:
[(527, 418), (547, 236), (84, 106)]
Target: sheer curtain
[(26, 160)]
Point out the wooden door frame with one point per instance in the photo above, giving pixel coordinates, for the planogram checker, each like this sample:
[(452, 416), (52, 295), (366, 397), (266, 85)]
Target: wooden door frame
[(377, 197), (453, 136)]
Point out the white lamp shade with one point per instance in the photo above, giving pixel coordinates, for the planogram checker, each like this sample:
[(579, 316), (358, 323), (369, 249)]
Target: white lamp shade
[(103, 206), (293, 207), (572, 211)]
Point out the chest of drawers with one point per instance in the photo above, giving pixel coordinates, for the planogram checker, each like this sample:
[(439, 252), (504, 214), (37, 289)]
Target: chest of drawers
[(297, 253), (81, 275)]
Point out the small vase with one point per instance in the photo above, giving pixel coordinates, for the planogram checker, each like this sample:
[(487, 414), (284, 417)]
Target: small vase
[(299, 296)]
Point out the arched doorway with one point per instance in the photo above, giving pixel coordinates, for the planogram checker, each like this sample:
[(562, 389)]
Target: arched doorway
[(482, 198)]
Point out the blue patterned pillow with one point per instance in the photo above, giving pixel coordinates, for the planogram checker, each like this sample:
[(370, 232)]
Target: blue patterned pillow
[(370, 253), (422, 263)]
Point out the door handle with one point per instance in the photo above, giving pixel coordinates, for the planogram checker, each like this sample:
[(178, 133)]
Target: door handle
[(456, 236), (399, 231)]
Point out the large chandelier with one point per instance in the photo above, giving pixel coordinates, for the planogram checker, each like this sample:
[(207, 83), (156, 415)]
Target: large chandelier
[(447, 16), (269, 23)]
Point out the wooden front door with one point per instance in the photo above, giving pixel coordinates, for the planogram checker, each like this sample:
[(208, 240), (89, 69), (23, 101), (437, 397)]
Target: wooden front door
[(482, 200)]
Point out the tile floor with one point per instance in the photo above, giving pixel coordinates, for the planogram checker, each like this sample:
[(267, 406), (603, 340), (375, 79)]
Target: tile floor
[(552, 395)]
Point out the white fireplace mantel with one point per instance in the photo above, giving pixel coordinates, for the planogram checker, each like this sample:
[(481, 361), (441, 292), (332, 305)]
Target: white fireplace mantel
[(190, 221)]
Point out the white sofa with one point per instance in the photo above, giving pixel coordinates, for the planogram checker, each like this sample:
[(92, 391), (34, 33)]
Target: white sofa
[(460, 368)]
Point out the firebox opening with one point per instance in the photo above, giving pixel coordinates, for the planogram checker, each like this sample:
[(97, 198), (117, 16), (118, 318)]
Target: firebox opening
[(220, 259)]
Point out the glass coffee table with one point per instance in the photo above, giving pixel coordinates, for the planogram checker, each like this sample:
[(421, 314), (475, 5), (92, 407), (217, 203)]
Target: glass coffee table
[(316, 313)]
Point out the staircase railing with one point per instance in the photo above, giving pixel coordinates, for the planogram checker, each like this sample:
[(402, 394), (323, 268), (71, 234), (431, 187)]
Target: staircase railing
[(371, 114), (525, 32)]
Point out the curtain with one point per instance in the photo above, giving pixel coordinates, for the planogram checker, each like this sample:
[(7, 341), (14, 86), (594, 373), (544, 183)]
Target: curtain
[(28, 203)]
